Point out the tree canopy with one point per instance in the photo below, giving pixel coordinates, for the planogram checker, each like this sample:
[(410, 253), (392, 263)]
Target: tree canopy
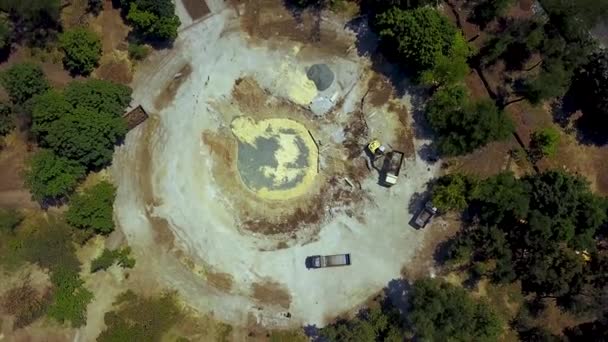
[(52, 177), (462, 125), (533, 229), (82, 49), (22, 81), (6, 119), (421, 37), (443, 312), (153, 19), (86, 136), (544, 143), (82, 123), (92, 209), (35, 21)]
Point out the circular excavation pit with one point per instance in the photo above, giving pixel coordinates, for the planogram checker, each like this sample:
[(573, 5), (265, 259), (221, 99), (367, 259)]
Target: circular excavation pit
[(277, 158)]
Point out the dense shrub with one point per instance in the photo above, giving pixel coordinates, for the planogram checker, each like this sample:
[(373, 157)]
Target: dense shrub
[(82, 49), (50, 177), (22, 81), (92, 209)]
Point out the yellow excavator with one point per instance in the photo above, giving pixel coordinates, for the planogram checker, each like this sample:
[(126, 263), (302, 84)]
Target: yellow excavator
[(376, 148)]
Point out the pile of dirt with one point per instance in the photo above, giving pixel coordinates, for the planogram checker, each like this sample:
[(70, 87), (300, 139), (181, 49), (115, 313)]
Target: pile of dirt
[(321, 75)]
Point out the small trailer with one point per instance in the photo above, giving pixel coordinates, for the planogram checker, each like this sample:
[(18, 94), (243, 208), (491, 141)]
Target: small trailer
[(321, 261), (425, 215), (391, 167)]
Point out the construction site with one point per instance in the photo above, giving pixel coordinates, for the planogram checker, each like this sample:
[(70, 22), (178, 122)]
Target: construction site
[(256, 155)]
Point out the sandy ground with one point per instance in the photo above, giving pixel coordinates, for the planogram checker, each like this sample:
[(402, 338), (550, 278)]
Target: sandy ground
[(184, 227)]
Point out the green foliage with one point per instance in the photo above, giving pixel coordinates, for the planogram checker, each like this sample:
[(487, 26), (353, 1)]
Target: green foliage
[(92, 209), (552, 81), (70, 298), (370, 325), (99, 95), (154, 20), (9, 220), (6, 32), (7, 122), (487, 10), (140, 319), (22, 81), (47, 108), (420, 36), (51, 177), (82, 49), (138, 51), (532, 230), (108, 258), (443, 312), (463, 126), (35, 21), (451, 192), (86, 136), (451, 68), (544, 142)]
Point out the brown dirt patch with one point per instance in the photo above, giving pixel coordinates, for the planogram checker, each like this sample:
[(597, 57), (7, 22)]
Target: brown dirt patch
[(196, 8), (270, 19), (219, 280), (114, 31), (380, 90), (13, 156), (403, 130), (271, 293), (167, 95), (118, 71), (440, 230)]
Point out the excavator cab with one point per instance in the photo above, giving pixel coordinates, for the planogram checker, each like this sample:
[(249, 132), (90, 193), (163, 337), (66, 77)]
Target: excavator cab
[(376, 148)]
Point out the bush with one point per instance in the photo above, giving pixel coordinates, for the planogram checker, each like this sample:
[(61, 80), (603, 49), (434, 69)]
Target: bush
[(451, 192), (25, 303), (99, 96), (7, 123), (140, 319), (543, 143), (108, 258), (22, 81), (82, 49), (92, 209), (47, 108), (138, 51), (50, 177), (9, 220), (70, 297)]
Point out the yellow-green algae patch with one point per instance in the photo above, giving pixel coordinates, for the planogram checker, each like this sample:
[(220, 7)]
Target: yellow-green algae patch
[(277, 158)]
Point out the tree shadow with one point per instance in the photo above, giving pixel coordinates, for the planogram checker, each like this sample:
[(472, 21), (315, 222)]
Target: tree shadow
[(417, 201), (428, 153), (396, 296), (589, 129)]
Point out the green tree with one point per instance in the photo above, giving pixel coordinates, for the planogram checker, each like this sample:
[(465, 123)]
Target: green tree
[(99, 95), (443, 312), (463, 126), (154, 20), (419, 36), (451, 68), (47, 108), (451, 192), (544, 142), (51, 177), (92, 209), (22, 81), (553, 81), (82, 49), (372, 324), (86, 136), (502, 197), (108, 258)]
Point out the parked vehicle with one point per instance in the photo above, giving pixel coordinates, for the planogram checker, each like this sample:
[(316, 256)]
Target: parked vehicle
[(320, 261), (425, 215), (392, 167)]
